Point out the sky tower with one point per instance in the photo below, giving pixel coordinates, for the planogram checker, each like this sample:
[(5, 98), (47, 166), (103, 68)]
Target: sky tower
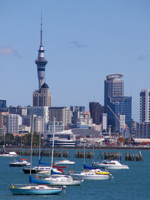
[(41, 61)]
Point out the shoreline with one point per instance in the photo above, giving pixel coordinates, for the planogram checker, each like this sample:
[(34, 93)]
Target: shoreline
[(81, 148)]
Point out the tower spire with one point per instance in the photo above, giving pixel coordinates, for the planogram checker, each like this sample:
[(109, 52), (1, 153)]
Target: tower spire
[(41, 30)]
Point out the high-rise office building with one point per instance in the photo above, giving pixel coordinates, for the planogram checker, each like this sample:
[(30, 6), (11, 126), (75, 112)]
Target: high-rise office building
[(61, 114), (13, 122), (145, 106), (42, 97), (96, 111), (76, 112), (3, 107), (122, 106), (22, 111), (113, 87), (39, 111), (115, 102)]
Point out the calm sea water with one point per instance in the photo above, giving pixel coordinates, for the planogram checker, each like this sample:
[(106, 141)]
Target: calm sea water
[(132, 184)]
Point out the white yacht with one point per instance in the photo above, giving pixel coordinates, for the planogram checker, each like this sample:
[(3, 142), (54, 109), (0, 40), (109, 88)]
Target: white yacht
[(93, 174), (19, 163), (9, 154), (57, 180), (38, 169), (64, 162), (112, 164)]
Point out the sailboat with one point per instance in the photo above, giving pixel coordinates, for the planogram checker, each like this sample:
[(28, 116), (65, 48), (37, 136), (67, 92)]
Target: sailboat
[(8, 154), (91, 173), (42, 167), (34, 189), (54, 178), (19, 163)]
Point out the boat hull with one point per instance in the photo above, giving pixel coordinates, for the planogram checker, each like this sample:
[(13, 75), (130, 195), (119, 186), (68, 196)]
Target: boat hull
[(27, 171), (34, 191), (63, 183), (65, 162), (90, 177), (58, 181), (18, 165), (111, 167), (8, 155)]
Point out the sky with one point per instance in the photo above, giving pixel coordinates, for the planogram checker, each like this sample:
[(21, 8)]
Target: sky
[(84, 41)]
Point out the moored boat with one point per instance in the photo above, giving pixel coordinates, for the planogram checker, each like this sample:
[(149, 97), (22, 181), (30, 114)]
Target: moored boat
[(34, 190), (64, 162), (56, 180), (38, 169), (112, 164), (19, 163), (93, 174), (9, 154)]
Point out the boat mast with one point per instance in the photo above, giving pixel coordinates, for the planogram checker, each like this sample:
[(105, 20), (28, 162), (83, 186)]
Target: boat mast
[(53, 144), (93, 150), (84, 151), (31, 145), (39, 144)]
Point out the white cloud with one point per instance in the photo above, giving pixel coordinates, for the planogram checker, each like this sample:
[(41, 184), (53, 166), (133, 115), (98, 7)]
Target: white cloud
[(143, 57), (9, 51), (78, 45)]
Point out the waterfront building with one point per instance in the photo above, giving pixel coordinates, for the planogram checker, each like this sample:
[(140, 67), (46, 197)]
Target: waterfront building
[(58, 127), (61, 114), (145, 106), (13, 122), (96, 111), (143, 130), (64, 138), (84, 120)]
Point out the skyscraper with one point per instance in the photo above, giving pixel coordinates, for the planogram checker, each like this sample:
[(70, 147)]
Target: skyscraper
[(113, 87), (41, 61), (115, 102), (96, 111), (42, 97), (145, 106)]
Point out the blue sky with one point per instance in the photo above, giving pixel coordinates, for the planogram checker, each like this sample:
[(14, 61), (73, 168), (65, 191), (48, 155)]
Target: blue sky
[(84, 40)]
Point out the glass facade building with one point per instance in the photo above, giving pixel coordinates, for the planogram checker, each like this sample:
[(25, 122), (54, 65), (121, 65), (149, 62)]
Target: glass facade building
[(120, 106), (115, 102), (145, 106)]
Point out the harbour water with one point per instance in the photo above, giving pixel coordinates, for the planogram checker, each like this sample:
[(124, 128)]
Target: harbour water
[(129, 184)]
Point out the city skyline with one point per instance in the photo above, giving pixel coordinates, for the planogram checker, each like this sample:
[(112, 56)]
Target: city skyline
[(83, 42)]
